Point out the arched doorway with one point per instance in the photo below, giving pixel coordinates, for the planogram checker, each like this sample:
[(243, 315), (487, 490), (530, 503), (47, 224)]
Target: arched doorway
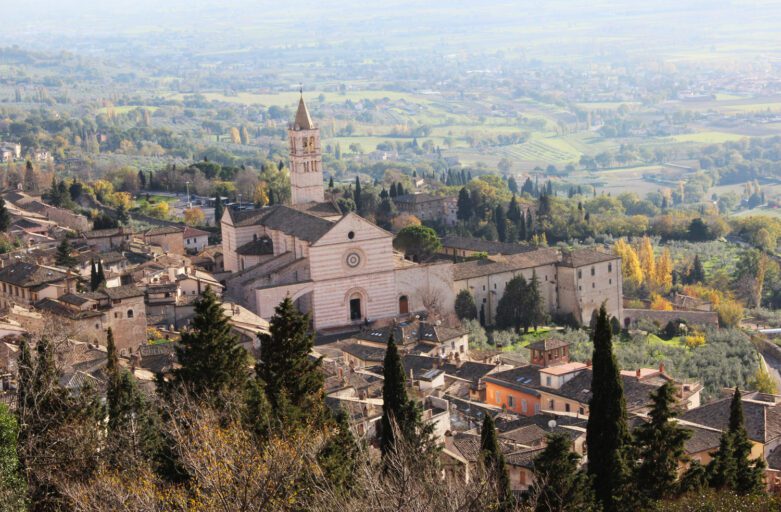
[(356, 308), (403, 305)]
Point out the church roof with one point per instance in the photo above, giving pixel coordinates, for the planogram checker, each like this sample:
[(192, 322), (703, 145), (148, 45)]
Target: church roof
[(303, 121), (291, 221)]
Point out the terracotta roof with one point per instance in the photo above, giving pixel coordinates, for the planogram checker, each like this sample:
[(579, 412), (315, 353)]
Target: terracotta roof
[(547, 344), (190, 232), (407, 333), (469, 370), (163, 230), (319, 209), (122, 292), (29, 274), (762, 419), (583, 257), (259, 247), (636, 393), (417, 198), (102, 233), (530, 259), (290, 221), (563, 369), (524, 378), (365, 352), (487, 246), (702, 439)]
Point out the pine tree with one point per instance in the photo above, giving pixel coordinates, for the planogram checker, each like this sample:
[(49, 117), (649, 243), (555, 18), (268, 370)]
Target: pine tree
[(562, 486), (213, 364), (5, 217), (696, 273), (607, 434), (492, 461), (661, 446), (749, 474), (64, 258), (292, 379), (339, 456)]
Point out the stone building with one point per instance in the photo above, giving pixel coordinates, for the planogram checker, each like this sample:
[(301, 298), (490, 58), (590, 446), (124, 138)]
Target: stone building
[(429, 207), (339, 267)]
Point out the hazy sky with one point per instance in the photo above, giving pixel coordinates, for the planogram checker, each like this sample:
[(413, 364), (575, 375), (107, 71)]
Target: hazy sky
[(220, 24)]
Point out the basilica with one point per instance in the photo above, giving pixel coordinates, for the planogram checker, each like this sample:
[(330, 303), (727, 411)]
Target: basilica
[(340, 268), (343, 270)]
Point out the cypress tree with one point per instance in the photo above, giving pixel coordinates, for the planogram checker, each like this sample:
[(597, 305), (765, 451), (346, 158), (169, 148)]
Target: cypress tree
[(112, 360), (64, 258), (358, 196), (132, 424), (721, 468), (212, 362), (501, 223), (465, 207), (534, 305), (522, 233), (511, 311), (562, 486), (514, 211), (101, 275), (607, 434), (292, 379), (218, 209), (749, 474), (94, 281), (492, 460), (331, 182), (465, 306), (661, 446), (398, 409), (5, 217), (529, 224), (394, 398)]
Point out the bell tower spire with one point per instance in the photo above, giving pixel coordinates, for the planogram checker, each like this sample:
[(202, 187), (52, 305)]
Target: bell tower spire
[(306, 164)]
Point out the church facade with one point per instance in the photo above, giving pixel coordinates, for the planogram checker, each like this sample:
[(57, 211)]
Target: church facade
[(343, 270), (340, 268)]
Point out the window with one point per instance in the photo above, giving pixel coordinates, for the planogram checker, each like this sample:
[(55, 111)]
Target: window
[(593, 271), (524, 406), (580, 274), (497, 397), (484, 300), (483, 287), (593, 285), (510, 401), (566, 407), (609, 281), (536, 408), (548, 380), (522, 477), (494, 286), (130, 313), (403, 305), (552, 405), (609, 267), (351, 235), (580, 411)]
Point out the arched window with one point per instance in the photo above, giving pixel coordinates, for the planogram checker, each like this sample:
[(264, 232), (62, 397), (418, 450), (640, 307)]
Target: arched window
[(403, 305), (130, 313)]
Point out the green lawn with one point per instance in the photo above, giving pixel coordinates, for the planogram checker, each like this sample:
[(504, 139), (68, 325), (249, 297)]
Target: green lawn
[(709, 137)]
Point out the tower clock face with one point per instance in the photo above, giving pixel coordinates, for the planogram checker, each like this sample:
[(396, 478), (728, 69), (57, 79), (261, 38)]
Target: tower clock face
[(353, 259)]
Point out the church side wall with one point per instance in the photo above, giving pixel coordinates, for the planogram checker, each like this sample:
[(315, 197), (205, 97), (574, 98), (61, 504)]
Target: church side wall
[(426, 283)]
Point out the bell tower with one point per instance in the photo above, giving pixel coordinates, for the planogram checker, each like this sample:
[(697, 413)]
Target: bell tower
[(306, 163)]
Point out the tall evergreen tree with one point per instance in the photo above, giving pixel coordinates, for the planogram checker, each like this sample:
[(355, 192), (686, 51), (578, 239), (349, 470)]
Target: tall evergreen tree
[(399, 410), (749, 473), (292, 378), (607, 434), (358, 196), (562, 487), (94, 280), (142, 179), (101, 273), (511, 310), (338, 459), (696, 273), (218, 209), (213, 364), (492, 460), (512, 185), (501, 223), (5, 217), (522, 233), (514, 211), (529, 224), (660, 445), (64, 258), (331, 183), (534, 313), (465, 306), (465, 210)]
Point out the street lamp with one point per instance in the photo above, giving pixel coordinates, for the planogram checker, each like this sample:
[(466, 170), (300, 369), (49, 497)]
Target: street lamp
[(189, 204)]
